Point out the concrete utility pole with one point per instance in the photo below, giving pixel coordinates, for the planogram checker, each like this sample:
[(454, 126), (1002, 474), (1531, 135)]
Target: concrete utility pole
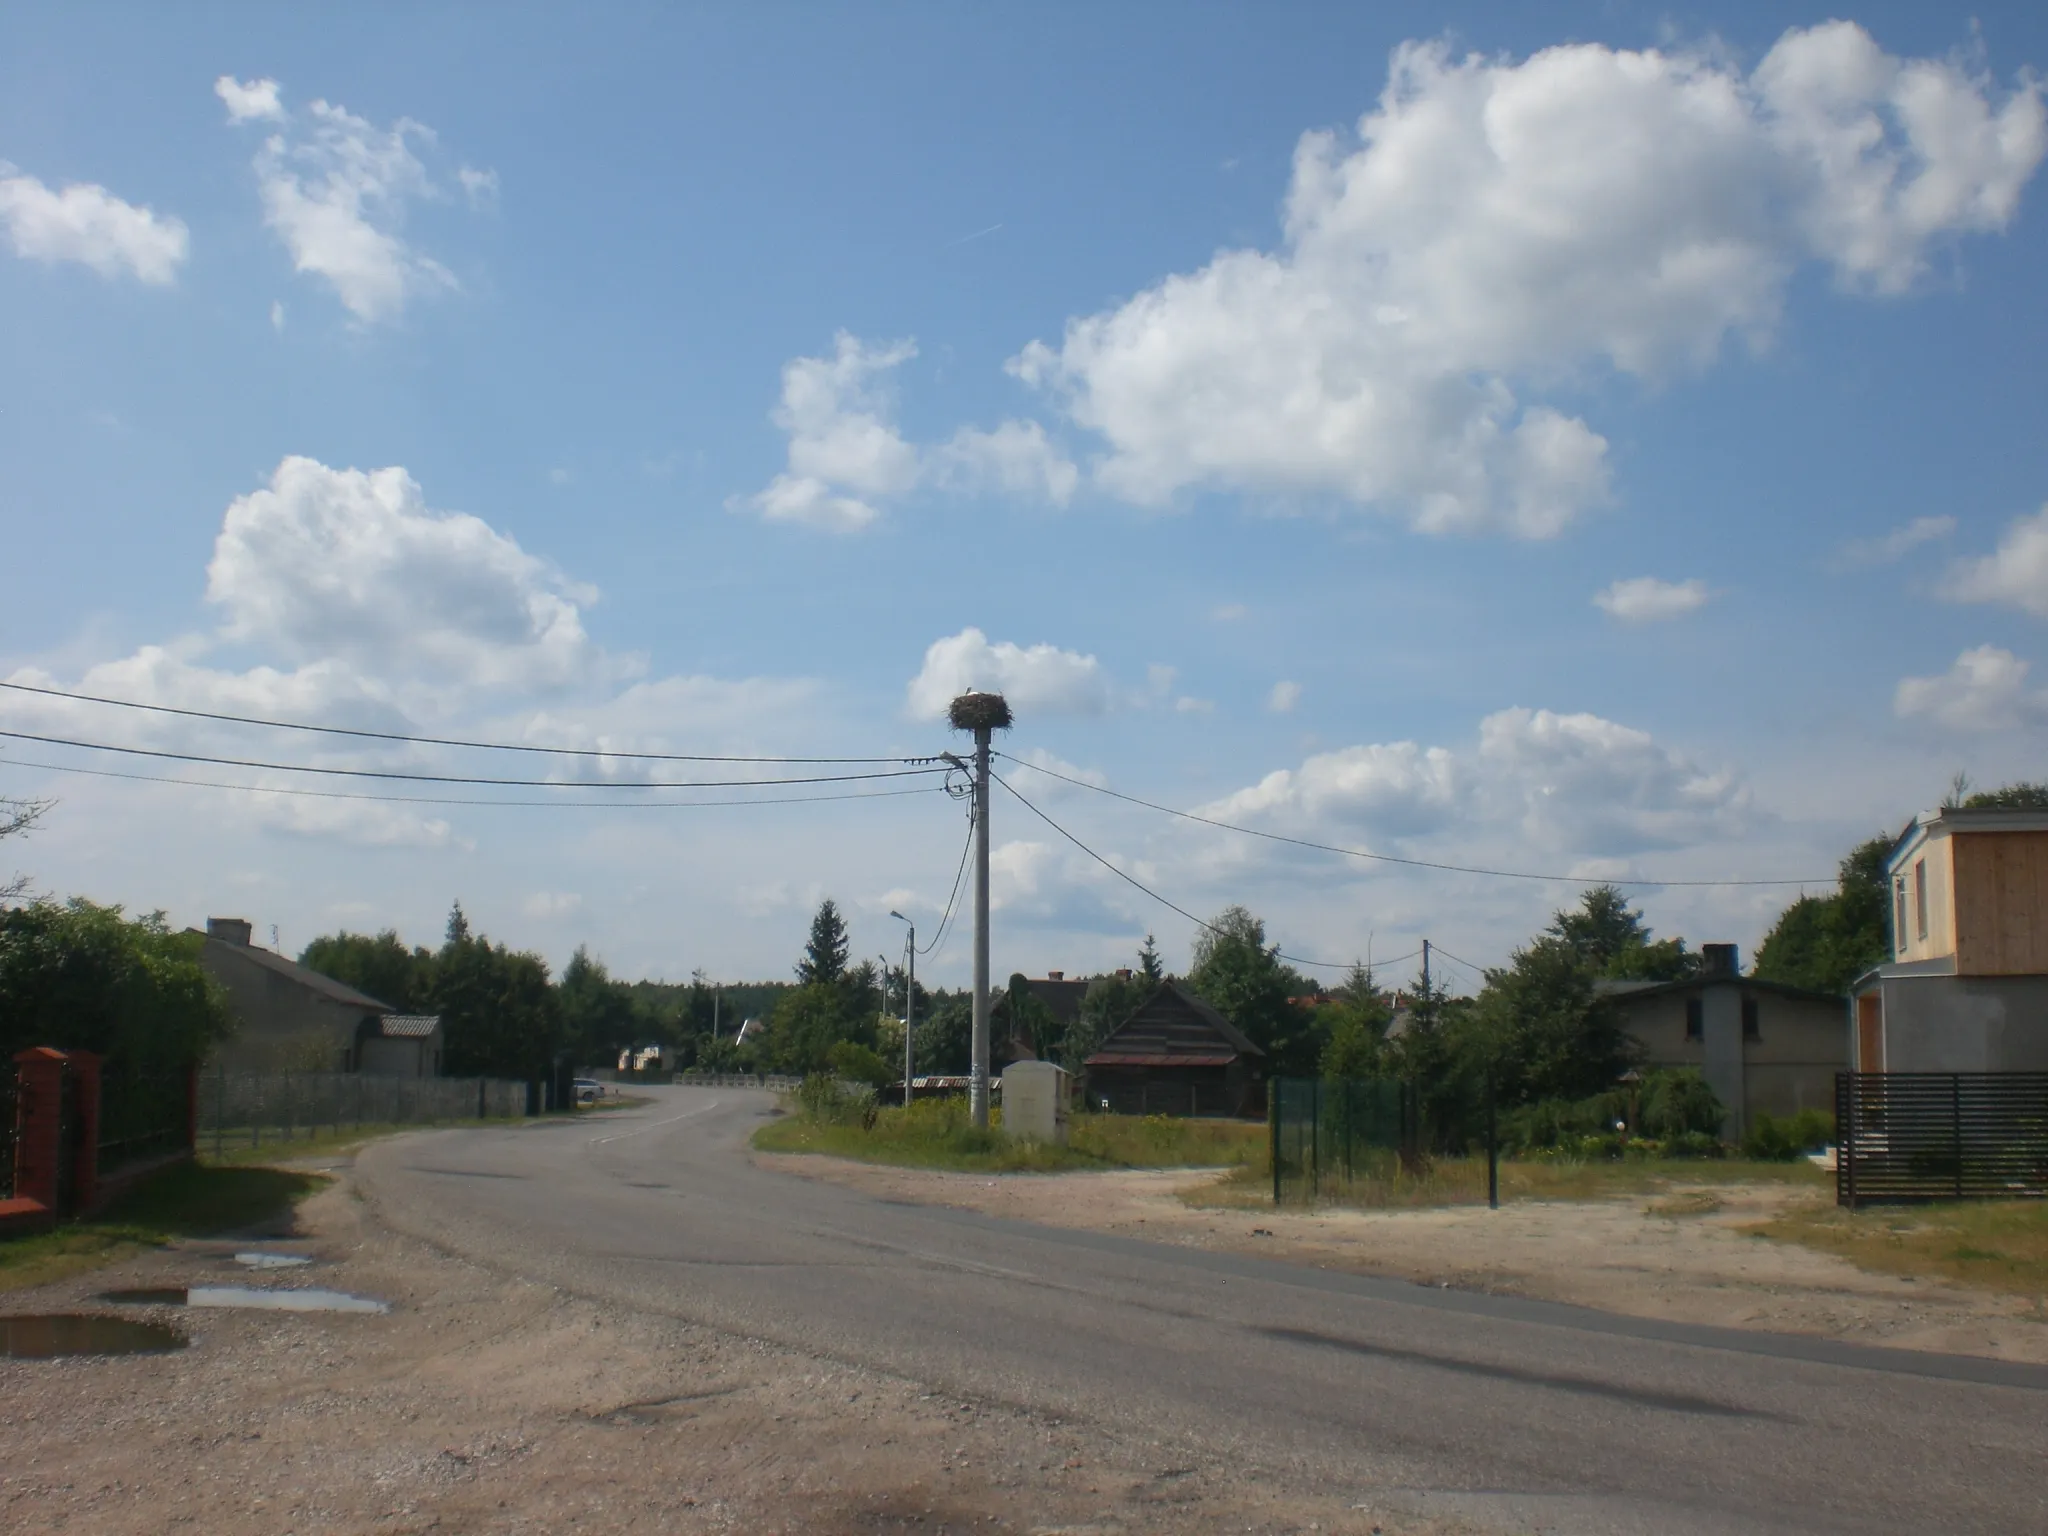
[(984, 714), (909, 999)]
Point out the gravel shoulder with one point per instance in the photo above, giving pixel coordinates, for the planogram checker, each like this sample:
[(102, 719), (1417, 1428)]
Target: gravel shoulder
[(490, 1402), (1682, 1255)]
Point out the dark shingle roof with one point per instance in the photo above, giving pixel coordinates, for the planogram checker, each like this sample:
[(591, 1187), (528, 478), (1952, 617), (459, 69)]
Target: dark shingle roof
[(1174, 1028), (291, 970)]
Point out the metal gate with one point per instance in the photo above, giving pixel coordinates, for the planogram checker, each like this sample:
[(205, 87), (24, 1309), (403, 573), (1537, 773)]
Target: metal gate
[(1940, 1136), (1327, 1132)]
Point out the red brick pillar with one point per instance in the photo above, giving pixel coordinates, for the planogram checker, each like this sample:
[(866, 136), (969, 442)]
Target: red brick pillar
[(85, 1124), (39, 1142)]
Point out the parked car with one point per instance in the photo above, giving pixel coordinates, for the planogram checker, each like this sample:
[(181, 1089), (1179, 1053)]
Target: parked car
[(588, 1090)]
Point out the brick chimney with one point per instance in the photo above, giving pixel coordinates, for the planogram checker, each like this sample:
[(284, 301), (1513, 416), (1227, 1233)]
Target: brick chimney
[(1055, 975), (229, 930), (1720, 960)]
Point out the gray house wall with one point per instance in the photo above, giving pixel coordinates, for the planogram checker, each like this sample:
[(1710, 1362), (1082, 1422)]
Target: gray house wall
[(1964, 1023), (281, 1024), (1803, 1041)]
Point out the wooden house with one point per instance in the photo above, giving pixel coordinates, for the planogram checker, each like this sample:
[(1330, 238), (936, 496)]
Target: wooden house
[(1176, 1055), (1966, 989)]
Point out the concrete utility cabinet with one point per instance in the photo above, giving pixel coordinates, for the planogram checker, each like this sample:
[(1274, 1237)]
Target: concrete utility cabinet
[(1035, 1101)]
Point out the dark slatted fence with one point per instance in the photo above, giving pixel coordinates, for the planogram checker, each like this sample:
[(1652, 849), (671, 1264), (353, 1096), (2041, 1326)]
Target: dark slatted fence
[(9, 1102), (1940, 1136)]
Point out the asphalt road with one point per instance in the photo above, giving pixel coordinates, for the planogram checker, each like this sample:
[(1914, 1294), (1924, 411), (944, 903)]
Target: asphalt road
[(1497, 1413)]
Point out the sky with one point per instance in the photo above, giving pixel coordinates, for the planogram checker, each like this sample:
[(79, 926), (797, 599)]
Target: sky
[(1589, 441)]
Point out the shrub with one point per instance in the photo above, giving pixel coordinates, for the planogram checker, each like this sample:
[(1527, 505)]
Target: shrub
[(1775, 1139), (1679, 1103), (825, 1098)]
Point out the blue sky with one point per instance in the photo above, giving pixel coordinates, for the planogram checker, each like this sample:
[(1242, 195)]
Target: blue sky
[(1262, 396)]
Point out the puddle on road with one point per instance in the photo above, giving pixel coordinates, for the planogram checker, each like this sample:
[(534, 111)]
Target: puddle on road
[(247, 1297), (271, 1260), (47, 1336)]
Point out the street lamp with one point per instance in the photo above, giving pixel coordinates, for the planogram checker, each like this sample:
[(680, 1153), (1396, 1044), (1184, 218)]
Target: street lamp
[(909, 998)]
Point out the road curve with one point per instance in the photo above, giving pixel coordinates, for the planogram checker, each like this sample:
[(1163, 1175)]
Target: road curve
[(1495, 1413)]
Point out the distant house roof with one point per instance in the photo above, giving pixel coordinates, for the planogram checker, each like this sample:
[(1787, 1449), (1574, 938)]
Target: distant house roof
[(1061, 995), (1174, 1028), (334, 991), (1625, 992), (408, 1026)]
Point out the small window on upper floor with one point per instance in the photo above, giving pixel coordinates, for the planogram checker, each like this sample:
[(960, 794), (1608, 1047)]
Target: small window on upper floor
[(1920, 897), (1750, 1027), (1695, 1019)]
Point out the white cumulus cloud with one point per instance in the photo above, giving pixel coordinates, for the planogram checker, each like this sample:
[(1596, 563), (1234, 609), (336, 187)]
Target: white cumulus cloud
[(87, 224), (847, 455), (1986, 690), (2016, 574), (1036, 679), (1284, 696), (336, 189), (346, 563), (1898, 543), (1494, 224), (249, 100), (1645, 599)]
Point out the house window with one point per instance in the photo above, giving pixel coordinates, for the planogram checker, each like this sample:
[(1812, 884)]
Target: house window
[(1695, 1019), (1898, 914), (1920, 897), (1750, 1028)]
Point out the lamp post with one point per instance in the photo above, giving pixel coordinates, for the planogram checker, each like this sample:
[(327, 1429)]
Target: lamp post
[(909, 997)]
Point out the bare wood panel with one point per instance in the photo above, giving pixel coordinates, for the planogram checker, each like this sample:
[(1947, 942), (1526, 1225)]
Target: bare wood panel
[(2001, 903)]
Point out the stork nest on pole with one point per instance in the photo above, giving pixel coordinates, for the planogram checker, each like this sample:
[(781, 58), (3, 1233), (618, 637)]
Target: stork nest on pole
[(979, 712)]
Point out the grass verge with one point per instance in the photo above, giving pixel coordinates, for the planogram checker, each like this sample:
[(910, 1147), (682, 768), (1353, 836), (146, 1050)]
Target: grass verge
[(191, 1200), (2001, 1245), (1379, 1184), (936, 1135)]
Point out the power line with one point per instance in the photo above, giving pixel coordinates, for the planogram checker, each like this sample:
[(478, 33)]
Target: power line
[(561, 805), (1323, 965), (958, 875), (456, 778), (1380, 858), (433, 741)]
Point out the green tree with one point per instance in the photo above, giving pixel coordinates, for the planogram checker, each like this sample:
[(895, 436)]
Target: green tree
[(857, 1064), (1824, 943), (81, 976), (379, 965), (1611, 939), (1148, 961), (500, 1015), (1543, 1028), (1355, 1026), (805, 1026), (2023, 796), (945, 1038), (1239, 974), (599, 1015), (1021, 1016), (825, 952)]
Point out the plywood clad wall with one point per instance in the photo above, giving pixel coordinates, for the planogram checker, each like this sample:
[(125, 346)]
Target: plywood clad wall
[(2001, 888)]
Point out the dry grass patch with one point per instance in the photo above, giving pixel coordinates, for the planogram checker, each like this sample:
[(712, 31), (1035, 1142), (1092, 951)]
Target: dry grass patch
[(1380, 1183), (2001, 1245)]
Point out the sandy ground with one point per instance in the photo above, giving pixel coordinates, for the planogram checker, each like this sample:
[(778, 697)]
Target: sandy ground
[(490, 1403), (1618, 1255)]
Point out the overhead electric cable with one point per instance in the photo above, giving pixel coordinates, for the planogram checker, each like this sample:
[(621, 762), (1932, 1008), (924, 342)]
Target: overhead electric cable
[(1321, 965), (558, 805), (1380, 858), (958, 875), (457, 778), (433, 741)]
